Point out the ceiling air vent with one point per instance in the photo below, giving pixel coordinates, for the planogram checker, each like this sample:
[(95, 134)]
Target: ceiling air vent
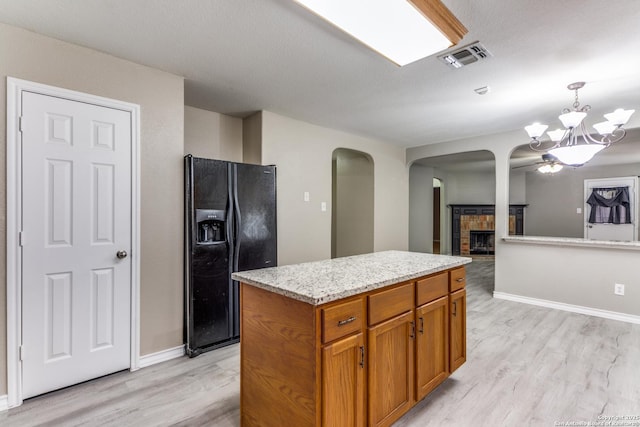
[(465, 55)]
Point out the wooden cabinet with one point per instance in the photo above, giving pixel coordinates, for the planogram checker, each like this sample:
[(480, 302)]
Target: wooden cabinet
[(432, 345), (391, 369), (340, 320), (391, 350), (458, 329), (343, 382), (457, 318), (363, 360)]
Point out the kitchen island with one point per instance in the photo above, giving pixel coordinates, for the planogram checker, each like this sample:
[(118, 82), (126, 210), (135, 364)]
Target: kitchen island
[(350, 341)]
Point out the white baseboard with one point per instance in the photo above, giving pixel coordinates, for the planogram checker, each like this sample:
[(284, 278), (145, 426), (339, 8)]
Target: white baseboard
[(4, 403), (629, 318), (161, 356)]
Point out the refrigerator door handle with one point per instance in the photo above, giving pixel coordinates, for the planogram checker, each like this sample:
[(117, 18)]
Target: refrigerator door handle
[(230, 219), (237, 219)]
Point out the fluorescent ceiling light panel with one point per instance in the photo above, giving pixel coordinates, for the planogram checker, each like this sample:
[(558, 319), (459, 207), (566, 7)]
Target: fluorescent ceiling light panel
[(394, 28)]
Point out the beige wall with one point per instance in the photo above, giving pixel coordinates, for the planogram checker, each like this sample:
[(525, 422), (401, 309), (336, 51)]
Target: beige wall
[(302, 153), (421, 208), (570, 275), (33, 57), (352, 203), (252, 139), (212, 135), (553, 199)]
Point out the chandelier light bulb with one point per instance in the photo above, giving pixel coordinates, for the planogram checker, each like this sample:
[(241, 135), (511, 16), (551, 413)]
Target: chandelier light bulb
[(619, 117), (550, 168)]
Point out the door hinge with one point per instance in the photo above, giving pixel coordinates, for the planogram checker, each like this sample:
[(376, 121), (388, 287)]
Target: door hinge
[(21, 238), (21, 352), (20, 123)]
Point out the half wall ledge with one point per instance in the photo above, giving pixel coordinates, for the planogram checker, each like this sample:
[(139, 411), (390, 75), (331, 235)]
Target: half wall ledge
[(573, 241)]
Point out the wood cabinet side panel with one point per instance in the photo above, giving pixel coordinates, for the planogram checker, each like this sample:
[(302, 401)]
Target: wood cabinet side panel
[(279, 360)]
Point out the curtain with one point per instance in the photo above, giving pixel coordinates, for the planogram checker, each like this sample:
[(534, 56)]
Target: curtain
[(609, 206)]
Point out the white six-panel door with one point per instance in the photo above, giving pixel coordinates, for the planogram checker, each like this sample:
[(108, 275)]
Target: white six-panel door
[(76, 217)]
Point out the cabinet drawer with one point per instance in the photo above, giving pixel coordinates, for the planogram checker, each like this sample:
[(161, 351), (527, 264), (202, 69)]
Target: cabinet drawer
[(431, 288), (457, 279), (386, 304), (341, 320)]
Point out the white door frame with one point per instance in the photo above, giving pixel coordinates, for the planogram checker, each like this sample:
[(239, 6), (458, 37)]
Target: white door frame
[(15, 88)]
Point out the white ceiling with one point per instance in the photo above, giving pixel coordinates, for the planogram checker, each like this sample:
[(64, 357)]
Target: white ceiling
[(241, 56)]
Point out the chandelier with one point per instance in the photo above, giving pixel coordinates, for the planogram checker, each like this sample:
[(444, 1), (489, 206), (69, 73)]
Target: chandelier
[(565, 143)]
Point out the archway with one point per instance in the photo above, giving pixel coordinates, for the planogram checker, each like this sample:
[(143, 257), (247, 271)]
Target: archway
[(352, 203)]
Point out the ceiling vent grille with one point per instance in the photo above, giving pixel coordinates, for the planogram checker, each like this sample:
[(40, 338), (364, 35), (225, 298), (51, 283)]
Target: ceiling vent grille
[(465, 55)]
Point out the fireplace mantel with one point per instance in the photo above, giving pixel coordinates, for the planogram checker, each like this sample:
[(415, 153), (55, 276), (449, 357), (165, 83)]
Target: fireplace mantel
[(485, 215)]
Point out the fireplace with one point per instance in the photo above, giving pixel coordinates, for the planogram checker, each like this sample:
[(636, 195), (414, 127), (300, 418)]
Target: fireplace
[(481, 242), (480, 219)]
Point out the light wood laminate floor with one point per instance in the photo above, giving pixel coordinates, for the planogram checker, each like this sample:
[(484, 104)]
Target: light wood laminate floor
[(526, 366)]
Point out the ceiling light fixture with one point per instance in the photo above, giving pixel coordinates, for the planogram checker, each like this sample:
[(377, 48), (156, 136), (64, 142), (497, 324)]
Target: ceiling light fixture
[(404, 31), (566, 146), (550, 168)]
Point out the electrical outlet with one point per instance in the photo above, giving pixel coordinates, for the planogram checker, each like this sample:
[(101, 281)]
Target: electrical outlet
[(323, 206), (618, 289), (578, 210), (305, 196)]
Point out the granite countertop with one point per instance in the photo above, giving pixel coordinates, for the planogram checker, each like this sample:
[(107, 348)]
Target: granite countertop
[(320, 282)]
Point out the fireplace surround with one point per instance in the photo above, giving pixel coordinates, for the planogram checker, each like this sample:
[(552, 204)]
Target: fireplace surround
[(480, 220)]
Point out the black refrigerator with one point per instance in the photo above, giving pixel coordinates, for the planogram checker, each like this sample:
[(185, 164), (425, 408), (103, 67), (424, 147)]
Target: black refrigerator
[(230, 225)]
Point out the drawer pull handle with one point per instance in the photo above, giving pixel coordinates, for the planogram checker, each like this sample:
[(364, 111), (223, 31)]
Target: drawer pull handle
[(413, 330), (455, 308), (345, 321), (460, 279), (362, 356), (422, 325)]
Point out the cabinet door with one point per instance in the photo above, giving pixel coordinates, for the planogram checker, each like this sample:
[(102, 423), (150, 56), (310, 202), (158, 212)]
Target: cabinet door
[(458, 329), (432, 345), (343, 382), (391, 346)]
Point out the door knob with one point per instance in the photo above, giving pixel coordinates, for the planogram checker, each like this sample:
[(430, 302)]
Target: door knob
[(121, 254)]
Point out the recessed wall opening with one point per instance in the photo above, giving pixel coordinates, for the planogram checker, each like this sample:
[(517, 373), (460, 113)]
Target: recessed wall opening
[(352, 206), (436, 186), (437, 212)]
